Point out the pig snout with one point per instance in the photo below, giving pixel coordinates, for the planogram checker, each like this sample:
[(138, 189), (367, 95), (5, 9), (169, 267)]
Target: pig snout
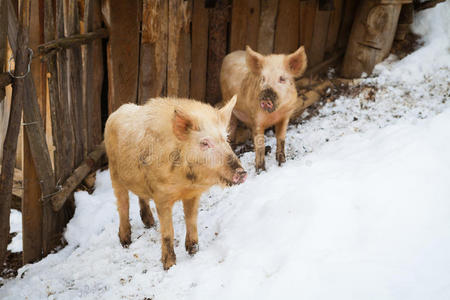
[(239, 176), (268, 98)]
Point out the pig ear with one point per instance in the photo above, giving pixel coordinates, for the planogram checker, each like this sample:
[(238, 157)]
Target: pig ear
[(227, 110), (182, 124), (296, 62), (254, 60)]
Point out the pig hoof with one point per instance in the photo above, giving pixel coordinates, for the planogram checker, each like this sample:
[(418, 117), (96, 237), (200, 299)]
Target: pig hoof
[(125, 241), (260, 168), (168, 261), (148, 221), (281, 158), (192, 247)]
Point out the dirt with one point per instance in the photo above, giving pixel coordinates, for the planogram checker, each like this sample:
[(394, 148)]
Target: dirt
[(12, 264)]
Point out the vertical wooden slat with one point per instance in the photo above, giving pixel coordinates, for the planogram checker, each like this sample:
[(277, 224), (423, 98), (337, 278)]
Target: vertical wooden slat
[(179, 50), (286, 34), (122, 19), (307, 17), (93, 75), (75, 74), (244, 24), (318, 43), (31, 201), (3, 44), (217, 48), (199, 50), (348, 14), (333, 27), (266, 34)]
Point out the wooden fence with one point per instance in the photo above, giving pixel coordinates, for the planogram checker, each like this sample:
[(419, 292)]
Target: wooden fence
[(91, 56)]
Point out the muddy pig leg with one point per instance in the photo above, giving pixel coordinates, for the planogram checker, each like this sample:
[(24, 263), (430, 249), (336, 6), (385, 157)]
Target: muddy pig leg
[(123, 207), (168, 257), (146, 213), (280, 132), (258, 142), (190, 207)]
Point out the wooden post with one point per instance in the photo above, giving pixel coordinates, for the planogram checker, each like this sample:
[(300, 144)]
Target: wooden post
[(266, 34), (179, 51), (372, 35), (3, 48), (286, 34), (93, 75), (348, 15), (217, 48), (307, 16), (153, 62), (22, 57), (244, 24), (319, 40), (122, 20), (199, 50), (333, 26)]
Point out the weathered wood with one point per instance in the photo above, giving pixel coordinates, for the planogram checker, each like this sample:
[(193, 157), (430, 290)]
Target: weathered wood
[(179, 50), (217, 49), (307, 16), (266, 34), (77, 177), (311, 97), (73, 40), (78, 112), (122, 20), (371, 37), (404, 21), (333, 60), (10, 144), (244, 24), (333, 26), (93, 75), (199, 50), (348, 14), (427, 4), (287, 29), (31, 202), (5, 79), (318, 43), (153, 61)]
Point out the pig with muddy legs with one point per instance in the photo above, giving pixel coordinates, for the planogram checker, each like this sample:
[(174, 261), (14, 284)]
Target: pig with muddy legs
[(169, 150), (266, 94)]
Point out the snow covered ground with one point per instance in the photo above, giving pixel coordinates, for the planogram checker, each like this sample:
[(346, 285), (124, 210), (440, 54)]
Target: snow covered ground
[(361, 210)]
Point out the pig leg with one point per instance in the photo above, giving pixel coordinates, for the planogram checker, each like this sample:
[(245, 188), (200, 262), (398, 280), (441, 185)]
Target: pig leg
[(258, 141), (280, 132), (168, 257), (123, 206), (190, 207), (146, 213)]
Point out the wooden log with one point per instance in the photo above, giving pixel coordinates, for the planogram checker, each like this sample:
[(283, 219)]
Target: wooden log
[(5, 79), (319, 40), (287, 28), (311, 97), (307, 16), (77, 177), (217, 48), (199, 50), (31, 202), (179, 49), (244, 24), (22, 57), (333, 26), (266, 34), (122, 20), (371, 37), (153, 60), (73, 40), (93, 75), (78, 112)]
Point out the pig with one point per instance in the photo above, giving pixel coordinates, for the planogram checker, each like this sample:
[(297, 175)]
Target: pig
[(266, 94), (168, 150)]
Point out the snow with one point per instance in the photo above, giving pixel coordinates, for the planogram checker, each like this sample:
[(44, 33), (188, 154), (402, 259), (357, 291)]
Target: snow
[(360, 210), (15, 226)]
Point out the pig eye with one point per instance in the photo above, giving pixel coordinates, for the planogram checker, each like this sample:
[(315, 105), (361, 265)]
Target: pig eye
[(282, 79), (205, 144)]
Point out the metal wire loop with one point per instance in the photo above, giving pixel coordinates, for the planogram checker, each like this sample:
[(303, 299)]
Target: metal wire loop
[(11, 73)]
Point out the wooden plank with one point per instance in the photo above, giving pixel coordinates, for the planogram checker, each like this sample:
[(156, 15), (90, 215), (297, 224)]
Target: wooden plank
[(348, 15), (199, 50), (333, 27), (3, 48), (217, 48), (244, 24), (318, 43), (78, 112), (122, 20), (153, 61), (307, 16), (287, 30), (31, 201), (266, 34), (179, 50), (93, 75), (10, 144)]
